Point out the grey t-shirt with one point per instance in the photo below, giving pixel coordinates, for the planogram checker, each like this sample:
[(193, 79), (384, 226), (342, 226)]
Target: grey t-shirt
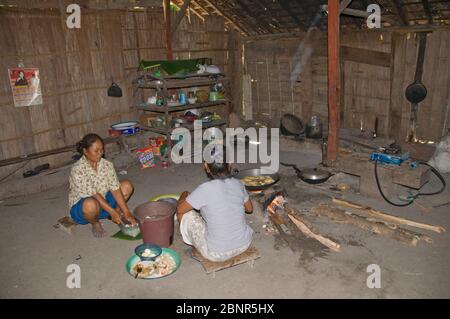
[(221, 204)]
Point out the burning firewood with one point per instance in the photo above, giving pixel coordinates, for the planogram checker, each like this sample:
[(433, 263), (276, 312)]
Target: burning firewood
[(278, 201)]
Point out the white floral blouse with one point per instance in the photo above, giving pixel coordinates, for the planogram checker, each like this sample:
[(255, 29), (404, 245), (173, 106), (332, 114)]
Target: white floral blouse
[(84, 181)]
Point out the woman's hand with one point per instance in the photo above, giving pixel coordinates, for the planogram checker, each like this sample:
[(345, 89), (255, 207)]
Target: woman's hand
[(116, 219), (129, 217)]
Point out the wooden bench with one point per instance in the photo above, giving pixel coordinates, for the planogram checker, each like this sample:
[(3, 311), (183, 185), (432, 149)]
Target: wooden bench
[(390, 176), (249, 256)]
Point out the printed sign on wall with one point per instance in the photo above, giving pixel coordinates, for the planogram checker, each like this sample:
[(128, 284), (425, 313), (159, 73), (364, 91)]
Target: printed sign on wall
[(25, 86)]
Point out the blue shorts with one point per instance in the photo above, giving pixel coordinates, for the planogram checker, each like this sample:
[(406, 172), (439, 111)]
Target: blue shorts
[(76, 212)]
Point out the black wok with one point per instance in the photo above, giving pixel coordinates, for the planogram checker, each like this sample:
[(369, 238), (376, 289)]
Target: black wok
[(311, 175), (257, 172)]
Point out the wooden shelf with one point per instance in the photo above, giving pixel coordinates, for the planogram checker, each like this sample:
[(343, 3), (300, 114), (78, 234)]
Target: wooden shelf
[(190, 127), (181, 82), (161, 109)]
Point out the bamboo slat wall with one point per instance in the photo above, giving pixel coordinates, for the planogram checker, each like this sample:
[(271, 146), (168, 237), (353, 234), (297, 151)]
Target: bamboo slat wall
[(376, 68), (269, 63), (76, 66)]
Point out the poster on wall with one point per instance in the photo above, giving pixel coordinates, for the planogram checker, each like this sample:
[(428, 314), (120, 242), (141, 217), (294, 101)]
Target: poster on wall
[(25, 86)]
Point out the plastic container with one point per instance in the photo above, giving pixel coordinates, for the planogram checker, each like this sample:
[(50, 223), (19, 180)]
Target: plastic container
[(126, 128), (147, 252), (156, 222)]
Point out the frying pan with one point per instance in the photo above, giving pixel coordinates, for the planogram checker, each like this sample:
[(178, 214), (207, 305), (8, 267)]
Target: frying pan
[(257, 172), (416, 92), (311, 175)]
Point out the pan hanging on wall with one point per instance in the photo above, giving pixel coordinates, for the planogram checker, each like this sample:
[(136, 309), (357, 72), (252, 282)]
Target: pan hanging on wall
[(416, 91)]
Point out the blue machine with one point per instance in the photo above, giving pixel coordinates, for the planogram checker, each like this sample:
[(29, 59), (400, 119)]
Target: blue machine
[(395, 159)]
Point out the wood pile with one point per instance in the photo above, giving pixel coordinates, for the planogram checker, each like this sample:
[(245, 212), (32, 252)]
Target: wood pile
[(292, 225)]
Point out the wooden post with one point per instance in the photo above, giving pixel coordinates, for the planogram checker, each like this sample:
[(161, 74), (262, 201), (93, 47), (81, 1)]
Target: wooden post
[(333, 80), (168, 30)]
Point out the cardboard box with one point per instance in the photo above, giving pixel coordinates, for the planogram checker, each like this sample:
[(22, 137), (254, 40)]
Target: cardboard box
[(145, 119)]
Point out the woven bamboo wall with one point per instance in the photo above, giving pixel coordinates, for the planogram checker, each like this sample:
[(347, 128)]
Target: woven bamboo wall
[(376, 68), (269, 64), (76, 66)]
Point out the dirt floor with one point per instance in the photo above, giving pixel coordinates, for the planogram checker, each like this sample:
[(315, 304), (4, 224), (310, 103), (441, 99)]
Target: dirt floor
[(35, 255)]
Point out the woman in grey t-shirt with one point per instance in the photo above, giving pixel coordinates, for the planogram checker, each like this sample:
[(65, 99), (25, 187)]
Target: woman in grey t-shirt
[(219, 232)]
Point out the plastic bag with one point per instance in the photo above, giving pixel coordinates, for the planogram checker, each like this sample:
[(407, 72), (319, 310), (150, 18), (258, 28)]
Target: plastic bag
[(441, 156), (145, 157)]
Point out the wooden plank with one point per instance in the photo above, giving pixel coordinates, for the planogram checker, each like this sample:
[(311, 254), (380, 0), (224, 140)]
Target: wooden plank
[(366, 56), (386, 217), (400, 234), (305, 230), (210, 267)]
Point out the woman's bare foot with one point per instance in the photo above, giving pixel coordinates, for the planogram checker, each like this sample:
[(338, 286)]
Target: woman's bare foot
[(98, 231)]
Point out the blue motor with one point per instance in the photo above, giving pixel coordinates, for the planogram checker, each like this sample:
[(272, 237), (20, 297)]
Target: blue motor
[(395, 159)]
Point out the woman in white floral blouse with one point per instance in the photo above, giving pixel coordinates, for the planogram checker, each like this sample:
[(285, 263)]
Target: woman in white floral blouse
[(95, 191)]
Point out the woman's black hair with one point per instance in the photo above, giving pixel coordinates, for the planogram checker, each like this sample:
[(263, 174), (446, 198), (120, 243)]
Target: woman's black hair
[(87, 142), (219, 168)]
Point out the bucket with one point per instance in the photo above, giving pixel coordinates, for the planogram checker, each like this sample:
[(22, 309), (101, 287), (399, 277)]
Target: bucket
[(156, 222)]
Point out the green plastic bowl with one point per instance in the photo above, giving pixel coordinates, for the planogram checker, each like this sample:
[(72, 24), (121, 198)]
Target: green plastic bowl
[(133, 260), (156, 250)]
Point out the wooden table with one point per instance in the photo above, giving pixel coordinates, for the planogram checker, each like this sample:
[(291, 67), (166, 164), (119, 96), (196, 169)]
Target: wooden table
[(390, 176)]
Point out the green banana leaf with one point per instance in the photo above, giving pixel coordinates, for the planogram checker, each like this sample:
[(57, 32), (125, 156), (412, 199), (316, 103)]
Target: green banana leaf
[(120, 235), (175, 67)]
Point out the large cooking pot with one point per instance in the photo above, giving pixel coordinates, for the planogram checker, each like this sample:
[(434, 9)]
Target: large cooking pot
[(257, 172)]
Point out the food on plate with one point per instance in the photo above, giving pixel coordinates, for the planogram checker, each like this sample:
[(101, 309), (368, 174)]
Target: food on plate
[(258, 180), (147, 253), (162, 266)]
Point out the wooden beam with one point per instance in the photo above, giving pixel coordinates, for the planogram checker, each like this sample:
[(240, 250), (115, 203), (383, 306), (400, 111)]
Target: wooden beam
[(28, 157), (180, 15), (168, 30), (212, 5), (361, 14), (401, 12), (426, 7), (333, 80), (344, 4), (365, 56)]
